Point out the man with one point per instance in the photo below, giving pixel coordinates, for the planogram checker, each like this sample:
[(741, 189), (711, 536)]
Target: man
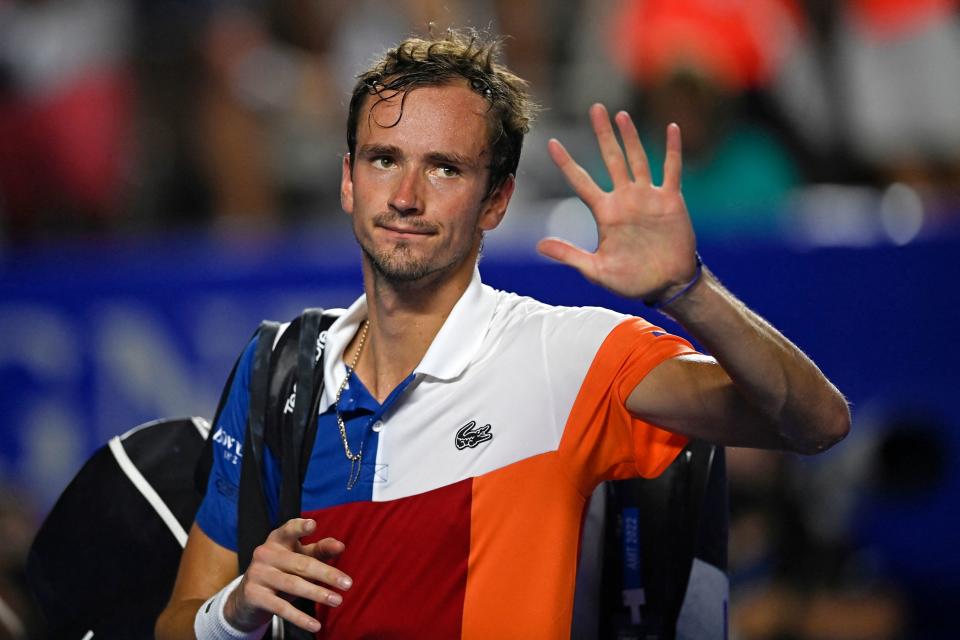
[(463, 428)]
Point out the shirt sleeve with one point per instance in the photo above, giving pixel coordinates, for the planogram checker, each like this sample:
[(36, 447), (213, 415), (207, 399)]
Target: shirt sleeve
[(601, 439), (217, 515)]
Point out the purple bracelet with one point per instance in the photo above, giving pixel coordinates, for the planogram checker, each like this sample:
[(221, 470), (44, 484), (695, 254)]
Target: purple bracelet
[(696, 277)]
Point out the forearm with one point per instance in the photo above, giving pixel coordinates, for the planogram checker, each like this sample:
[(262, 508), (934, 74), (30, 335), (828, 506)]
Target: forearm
[(786, 389), (176, 621), (205, 569)]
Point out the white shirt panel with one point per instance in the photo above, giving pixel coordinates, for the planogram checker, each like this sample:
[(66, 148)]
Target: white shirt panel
[(522, 380)]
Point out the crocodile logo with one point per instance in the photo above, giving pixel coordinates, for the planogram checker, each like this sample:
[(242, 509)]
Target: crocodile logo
[(470, 435)]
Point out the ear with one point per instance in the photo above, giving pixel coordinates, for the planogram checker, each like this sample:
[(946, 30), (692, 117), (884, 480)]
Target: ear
[(346, 185), (496, 205)]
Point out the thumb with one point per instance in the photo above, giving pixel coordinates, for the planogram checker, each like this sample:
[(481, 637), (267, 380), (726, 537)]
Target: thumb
[(292, 530), (569, 254)]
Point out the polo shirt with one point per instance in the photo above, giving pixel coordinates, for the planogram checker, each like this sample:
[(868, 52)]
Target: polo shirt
[(465, 519)]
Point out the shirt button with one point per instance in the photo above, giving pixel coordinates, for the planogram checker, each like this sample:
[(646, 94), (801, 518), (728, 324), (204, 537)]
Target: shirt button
[(378, 425)]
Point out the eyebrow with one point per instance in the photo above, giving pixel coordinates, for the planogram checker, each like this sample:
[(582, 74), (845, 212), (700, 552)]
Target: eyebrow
[(369, 150), (436, 157), (439, 157)]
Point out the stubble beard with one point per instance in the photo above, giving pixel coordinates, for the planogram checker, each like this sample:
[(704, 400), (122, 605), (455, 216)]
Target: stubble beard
[(398, 265)]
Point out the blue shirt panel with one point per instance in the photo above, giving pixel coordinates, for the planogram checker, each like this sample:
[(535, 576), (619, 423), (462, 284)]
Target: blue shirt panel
[(329, 471)]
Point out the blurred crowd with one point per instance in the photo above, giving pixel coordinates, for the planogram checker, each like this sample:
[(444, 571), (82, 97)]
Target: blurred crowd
[(856, 547), (834, 121), (831, 122)]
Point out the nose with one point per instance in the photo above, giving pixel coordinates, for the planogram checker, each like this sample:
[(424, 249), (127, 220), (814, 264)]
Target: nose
[(406, 198)]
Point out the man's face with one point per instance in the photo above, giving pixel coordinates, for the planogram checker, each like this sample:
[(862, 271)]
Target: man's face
[(418, 180)]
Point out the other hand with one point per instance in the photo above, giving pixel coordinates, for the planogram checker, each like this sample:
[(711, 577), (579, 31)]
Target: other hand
[(282, 569), (646, 246)]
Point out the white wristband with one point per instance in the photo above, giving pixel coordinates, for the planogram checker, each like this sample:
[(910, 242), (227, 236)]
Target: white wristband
[(211, 625)]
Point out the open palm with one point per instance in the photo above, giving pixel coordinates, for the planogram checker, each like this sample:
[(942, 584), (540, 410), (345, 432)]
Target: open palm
[(646, 242)]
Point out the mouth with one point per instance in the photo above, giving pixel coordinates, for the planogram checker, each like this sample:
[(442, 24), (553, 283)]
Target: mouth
[(405, 232)]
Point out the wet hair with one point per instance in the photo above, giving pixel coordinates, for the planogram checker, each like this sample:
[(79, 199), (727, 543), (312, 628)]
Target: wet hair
[(457, 54)]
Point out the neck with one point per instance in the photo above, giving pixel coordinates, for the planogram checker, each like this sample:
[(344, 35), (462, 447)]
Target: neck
[(404, 319)]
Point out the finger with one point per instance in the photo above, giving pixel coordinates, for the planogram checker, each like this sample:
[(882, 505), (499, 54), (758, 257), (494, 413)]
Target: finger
[(672, 163), (583, 185), (265, 599), (326, 549), (295, 616), (569, 254), (293, 586), (636, 156), (299, 565), (263, 582), (609, 147)]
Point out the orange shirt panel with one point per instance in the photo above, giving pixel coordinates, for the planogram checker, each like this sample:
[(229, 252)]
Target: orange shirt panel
[(601, 439), (524, 536)]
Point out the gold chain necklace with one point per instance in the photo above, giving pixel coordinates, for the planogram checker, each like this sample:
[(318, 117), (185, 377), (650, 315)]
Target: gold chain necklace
[(354, 458)]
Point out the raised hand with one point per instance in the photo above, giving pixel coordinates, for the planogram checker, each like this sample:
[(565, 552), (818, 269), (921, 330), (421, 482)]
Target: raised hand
[(646, 246), (282, 569)]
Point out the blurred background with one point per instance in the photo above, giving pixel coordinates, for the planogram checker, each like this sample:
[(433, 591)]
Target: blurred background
[(169, 176)]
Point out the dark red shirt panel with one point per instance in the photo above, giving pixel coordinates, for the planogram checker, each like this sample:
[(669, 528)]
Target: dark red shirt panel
[(408, 560)]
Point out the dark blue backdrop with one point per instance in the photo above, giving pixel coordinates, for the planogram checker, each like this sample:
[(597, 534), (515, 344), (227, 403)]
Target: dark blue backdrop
[(97, 338)]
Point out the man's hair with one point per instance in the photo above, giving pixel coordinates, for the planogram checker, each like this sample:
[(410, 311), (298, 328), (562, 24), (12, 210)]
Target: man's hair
[(465, 54)]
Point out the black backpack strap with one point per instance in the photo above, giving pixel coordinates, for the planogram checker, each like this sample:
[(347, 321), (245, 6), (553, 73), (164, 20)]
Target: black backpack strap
[(282, 391), (292, 437), (656, 522), (253, 519), (694, 490), (285, 422), (310, 432), (292, 417)]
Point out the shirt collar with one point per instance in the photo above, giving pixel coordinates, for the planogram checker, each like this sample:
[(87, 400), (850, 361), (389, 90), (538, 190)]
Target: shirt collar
[(460, 337), (453, 348)]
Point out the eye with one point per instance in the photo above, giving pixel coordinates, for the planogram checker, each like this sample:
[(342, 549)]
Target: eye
[(446, 171), (383, 162)]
